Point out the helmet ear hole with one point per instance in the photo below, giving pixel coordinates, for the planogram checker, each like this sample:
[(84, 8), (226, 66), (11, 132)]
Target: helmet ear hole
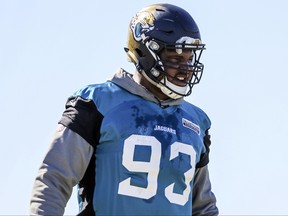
[(139, 52)]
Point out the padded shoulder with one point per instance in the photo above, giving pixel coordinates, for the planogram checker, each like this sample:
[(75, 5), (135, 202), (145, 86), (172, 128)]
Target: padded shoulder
[(81, 116)]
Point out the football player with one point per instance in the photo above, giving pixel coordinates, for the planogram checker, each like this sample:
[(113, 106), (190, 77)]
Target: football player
[(133, 145)]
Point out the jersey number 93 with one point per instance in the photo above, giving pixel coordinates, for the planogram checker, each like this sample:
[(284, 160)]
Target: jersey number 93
[(152, 169)]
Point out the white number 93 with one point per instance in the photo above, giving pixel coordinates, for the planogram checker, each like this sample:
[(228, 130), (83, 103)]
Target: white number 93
[(152, 169)]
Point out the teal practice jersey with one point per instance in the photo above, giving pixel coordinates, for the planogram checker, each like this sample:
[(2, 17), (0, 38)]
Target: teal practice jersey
[(146, 155)]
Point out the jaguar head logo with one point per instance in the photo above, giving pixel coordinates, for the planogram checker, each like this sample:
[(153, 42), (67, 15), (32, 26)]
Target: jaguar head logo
[(142, 23)]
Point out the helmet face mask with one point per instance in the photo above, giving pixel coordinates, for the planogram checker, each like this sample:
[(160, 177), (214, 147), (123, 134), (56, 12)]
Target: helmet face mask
[(165, 27)]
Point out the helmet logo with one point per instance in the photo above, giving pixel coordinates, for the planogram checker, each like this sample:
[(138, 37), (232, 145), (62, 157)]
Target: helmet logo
[(142, 23), (185, 42)]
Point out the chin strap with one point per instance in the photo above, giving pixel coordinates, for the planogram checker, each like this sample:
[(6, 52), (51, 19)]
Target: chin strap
[(181, 91), (172, 94)]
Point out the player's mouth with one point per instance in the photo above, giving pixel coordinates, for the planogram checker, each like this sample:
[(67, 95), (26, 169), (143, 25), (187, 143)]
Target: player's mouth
[(180, 79)]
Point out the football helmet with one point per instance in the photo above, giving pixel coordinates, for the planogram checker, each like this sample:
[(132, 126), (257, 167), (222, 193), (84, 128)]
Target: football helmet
[(164, 26)]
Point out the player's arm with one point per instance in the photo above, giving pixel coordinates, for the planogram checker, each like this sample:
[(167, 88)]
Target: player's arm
[(63, 167), (67, 159), (204, 201)]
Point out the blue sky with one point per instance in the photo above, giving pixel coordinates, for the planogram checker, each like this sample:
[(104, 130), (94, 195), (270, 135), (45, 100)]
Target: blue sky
[(49, 49)]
